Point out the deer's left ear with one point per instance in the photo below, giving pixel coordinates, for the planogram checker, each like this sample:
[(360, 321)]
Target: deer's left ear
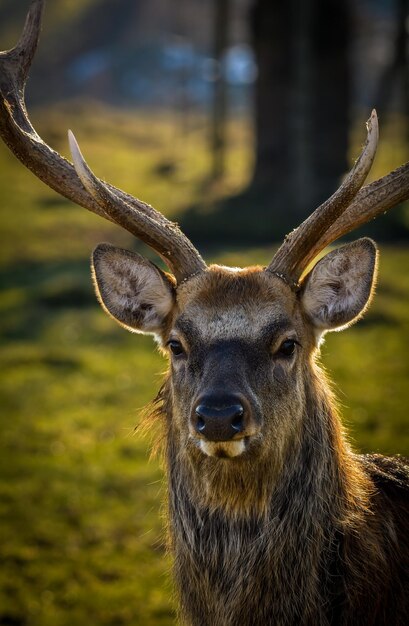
[(338, 289)]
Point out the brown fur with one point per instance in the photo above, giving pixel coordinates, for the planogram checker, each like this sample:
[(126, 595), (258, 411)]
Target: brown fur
[(297, 529), (326, 543)]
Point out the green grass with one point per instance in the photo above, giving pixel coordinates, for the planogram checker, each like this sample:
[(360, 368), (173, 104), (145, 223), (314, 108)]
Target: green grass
[(81, 525)]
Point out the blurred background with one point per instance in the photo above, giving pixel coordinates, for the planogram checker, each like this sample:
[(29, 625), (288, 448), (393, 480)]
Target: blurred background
[(235, 118)]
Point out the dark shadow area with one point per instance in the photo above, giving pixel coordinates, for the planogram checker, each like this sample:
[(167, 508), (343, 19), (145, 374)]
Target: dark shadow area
[(260, 216), (44, 292)]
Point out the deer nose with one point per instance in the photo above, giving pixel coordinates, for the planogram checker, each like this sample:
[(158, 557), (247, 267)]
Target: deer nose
[(219, 420)]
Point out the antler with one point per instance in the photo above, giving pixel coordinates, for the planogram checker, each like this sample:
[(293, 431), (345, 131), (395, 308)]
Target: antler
[(349, 207), (137, 217), (371, 201)]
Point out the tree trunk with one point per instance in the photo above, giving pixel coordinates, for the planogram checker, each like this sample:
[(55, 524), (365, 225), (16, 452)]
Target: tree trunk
[(271, 22), (221, 10), (301, 102), (330, 95)]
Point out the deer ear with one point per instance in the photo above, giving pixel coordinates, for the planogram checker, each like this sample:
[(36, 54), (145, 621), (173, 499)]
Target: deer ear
[(338, 289), (131, 289)]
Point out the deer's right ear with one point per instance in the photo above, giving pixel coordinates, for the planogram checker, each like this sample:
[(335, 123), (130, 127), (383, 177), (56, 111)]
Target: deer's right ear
[(131, 289)]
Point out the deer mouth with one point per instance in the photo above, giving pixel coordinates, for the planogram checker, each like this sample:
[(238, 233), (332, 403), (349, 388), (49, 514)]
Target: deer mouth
[(223, 449)]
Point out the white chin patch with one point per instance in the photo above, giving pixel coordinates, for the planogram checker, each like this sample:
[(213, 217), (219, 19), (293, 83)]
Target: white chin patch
[(222, 449)]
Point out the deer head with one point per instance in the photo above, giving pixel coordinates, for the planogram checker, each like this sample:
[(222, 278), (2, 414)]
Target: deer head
[(241, 342)]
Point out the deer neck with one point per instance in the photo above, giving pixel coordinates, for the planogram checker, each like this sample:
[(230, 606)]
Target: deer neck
[(284, 546)]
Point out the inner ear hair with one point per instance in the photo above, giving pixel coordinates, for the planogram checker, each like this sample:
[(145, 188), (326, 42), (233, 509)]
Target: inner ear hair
[(338, 290), (131, 289)]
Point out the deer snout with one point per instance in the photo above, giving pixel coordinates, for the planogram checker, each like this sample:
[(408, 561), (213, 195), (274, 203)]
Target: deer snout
[(219, 418)]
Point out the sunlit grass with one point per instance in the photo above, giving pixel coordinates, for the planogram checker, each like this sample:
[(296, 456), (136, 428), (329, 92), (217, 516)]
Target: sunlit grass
[(80, 503)]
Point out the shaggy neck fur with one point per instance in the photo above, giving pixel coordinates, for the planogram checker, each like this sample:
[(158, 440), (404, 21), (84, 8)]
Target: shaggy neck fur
[(280, 558)]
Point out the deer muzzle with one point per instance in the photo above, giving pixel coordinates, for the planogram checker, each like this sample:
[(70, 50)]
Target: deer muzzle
[(221, 417), (219, 423)]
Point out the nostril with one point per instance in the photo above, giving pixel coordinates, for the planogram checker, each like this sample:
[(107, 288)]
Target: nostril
[(200, 424), (237, 422), (200, 418)]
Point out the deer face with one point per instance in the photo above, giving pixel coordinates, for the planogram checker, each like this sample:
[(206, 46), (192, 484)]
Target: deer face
[(240, 341), (238, 361)]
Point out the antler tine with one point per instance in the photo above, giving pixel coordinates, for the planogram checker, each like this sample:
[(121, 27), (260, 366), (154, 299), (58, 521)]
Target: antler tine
[(52, 168), (182, 258), (15, 127), (22, 54), (371, 201), (303, 243)]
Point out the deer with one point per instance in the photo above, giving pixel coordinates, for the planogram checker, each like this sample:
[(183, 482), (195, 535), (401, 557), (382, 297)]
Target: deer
[(273, 519)]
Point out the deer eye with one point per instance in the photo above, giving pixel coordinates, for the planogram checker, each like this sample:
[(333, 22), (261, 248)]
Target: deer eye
[(176, 347), (287, 348)]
